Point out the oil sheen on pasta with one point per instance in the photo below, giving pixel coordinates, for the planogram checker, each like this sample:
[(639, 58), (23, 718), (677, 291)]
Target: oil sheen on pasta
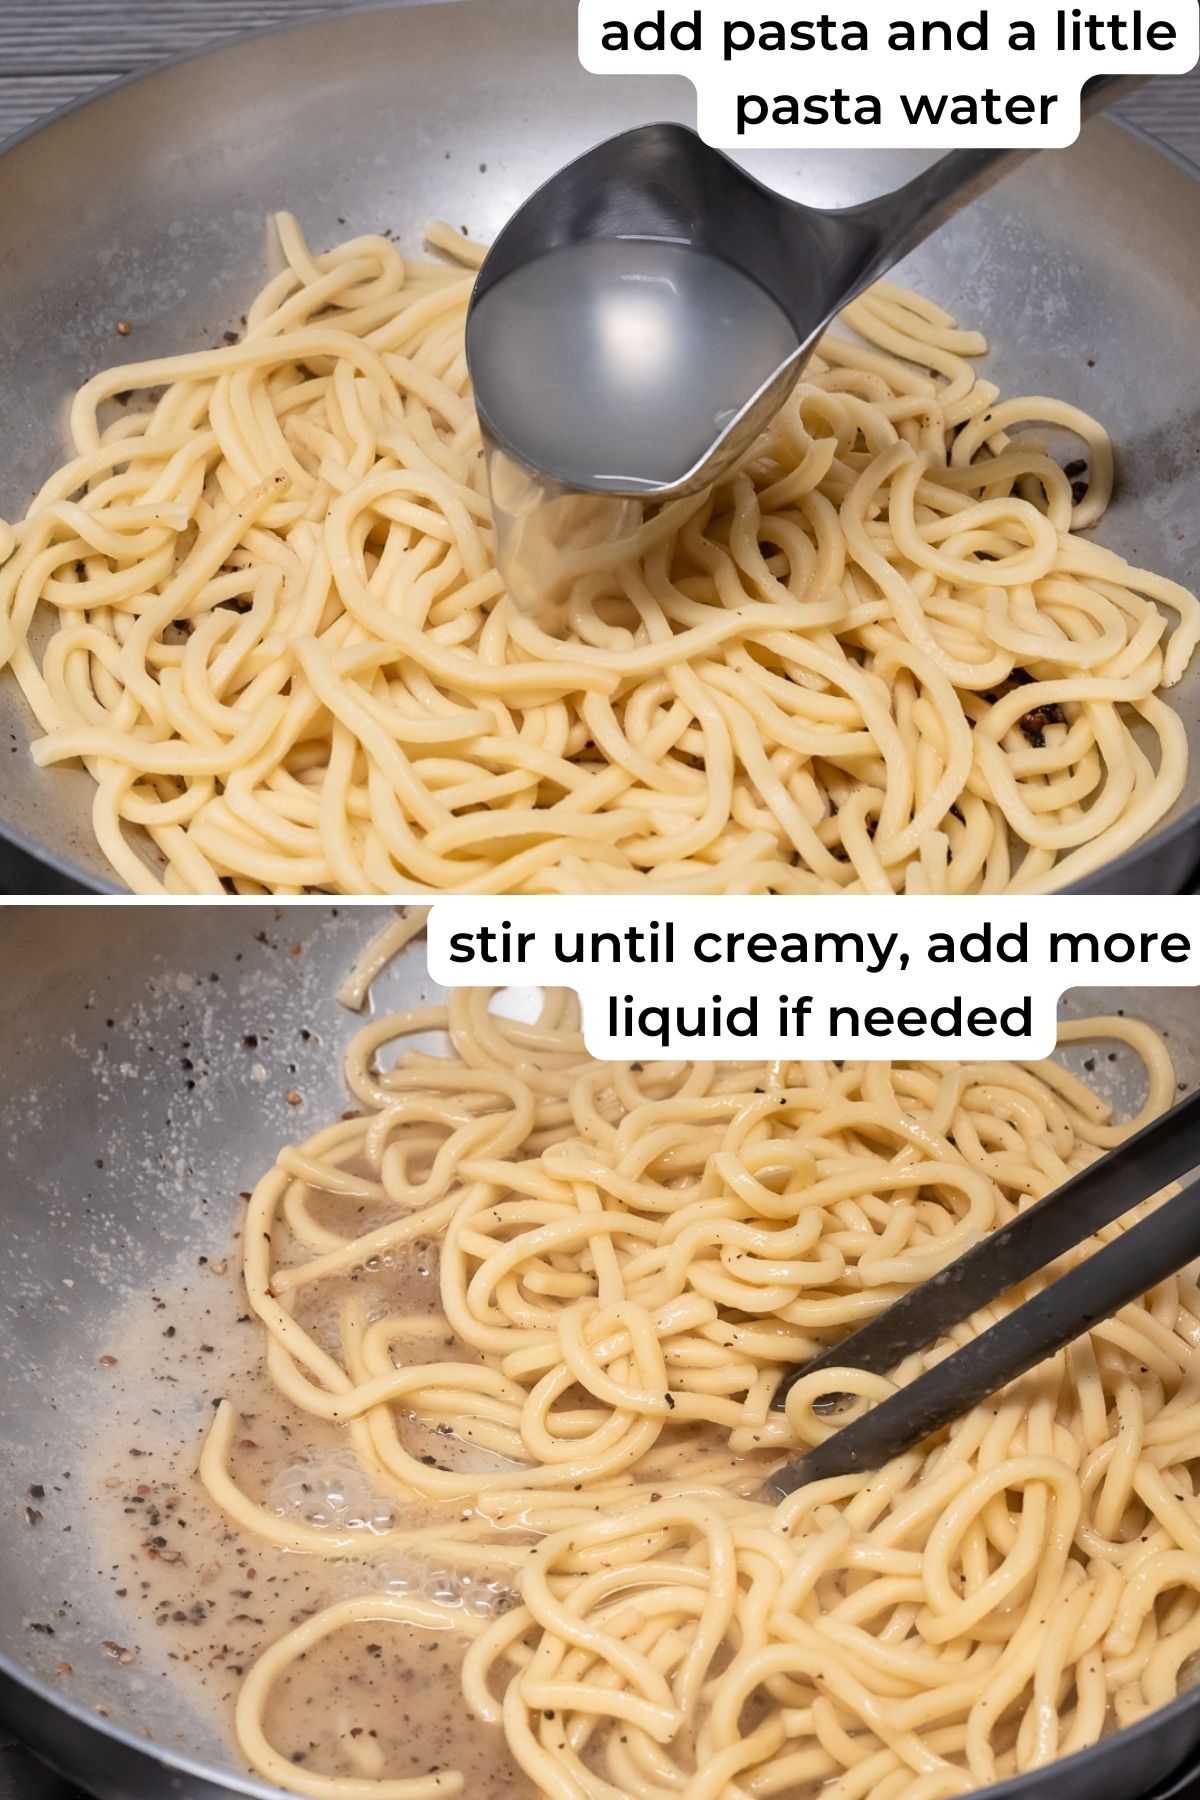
[(625, 1258), (887, 653)]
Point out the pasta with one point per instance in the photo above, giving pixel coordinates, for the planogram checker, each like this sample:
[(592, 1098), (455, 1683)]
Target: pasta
[(629, 1258), (880, 656)]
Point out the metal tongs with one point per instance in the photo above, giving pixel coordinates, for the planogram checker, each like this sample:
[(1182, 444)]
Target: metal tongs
[(1114, 1276)]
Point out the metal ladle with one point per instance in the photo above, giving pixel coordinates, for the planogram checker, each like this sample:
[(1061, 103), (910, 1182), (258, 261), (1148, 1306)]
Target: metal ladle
[(663, 185)]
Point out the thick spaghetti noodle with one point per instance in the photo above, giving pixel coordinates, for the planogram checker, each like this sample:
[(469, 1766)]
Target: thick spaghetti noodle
[(880, 656), (628, 1258)]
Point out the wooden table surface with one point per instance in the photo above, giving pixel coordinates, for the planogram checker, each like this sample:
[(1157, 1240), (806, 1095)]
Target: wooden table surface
[(51, 51)]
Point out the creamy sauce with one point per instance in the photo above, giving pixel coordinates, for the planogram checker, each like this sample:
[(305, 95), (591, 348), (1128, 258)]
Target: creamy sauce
[(372, 1701)]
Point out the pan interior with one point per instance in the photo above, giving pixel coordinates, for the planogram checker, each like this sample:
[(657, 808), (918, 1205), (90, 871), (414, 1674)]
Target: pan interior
[(152, 204), (146, 1076)]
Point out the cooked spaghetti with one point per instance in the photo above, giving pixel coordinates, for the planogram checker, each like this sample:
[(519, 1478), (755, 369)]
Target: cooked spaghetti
[(629, 1258), (880, 656)]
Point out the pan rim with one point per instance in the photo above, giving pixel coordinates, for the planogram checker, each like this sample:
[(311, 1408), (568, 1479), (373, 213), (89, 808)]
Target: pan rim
[(94, 883)]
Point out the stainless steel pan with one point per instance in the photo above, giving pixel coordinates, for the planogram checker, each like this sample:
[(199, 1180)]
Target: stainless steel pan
[(148, 204), (93, 1021)]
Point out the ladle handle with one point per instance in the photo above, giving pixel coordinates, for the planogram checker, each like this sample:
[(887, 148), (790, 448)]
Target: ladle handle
[(925, 204)]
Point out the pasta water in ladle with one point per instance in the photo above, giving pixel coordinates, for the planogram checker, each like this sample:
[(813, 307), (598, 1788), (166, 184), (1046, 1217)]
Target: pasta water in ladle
[(642, 319), (609, 368), (648, 352)]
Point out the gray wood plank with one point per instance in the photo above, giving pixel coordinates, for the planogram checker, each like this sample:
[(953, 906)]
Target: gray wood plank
[(41, 37), (52, 51), (26, 98), (1169, 107)]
